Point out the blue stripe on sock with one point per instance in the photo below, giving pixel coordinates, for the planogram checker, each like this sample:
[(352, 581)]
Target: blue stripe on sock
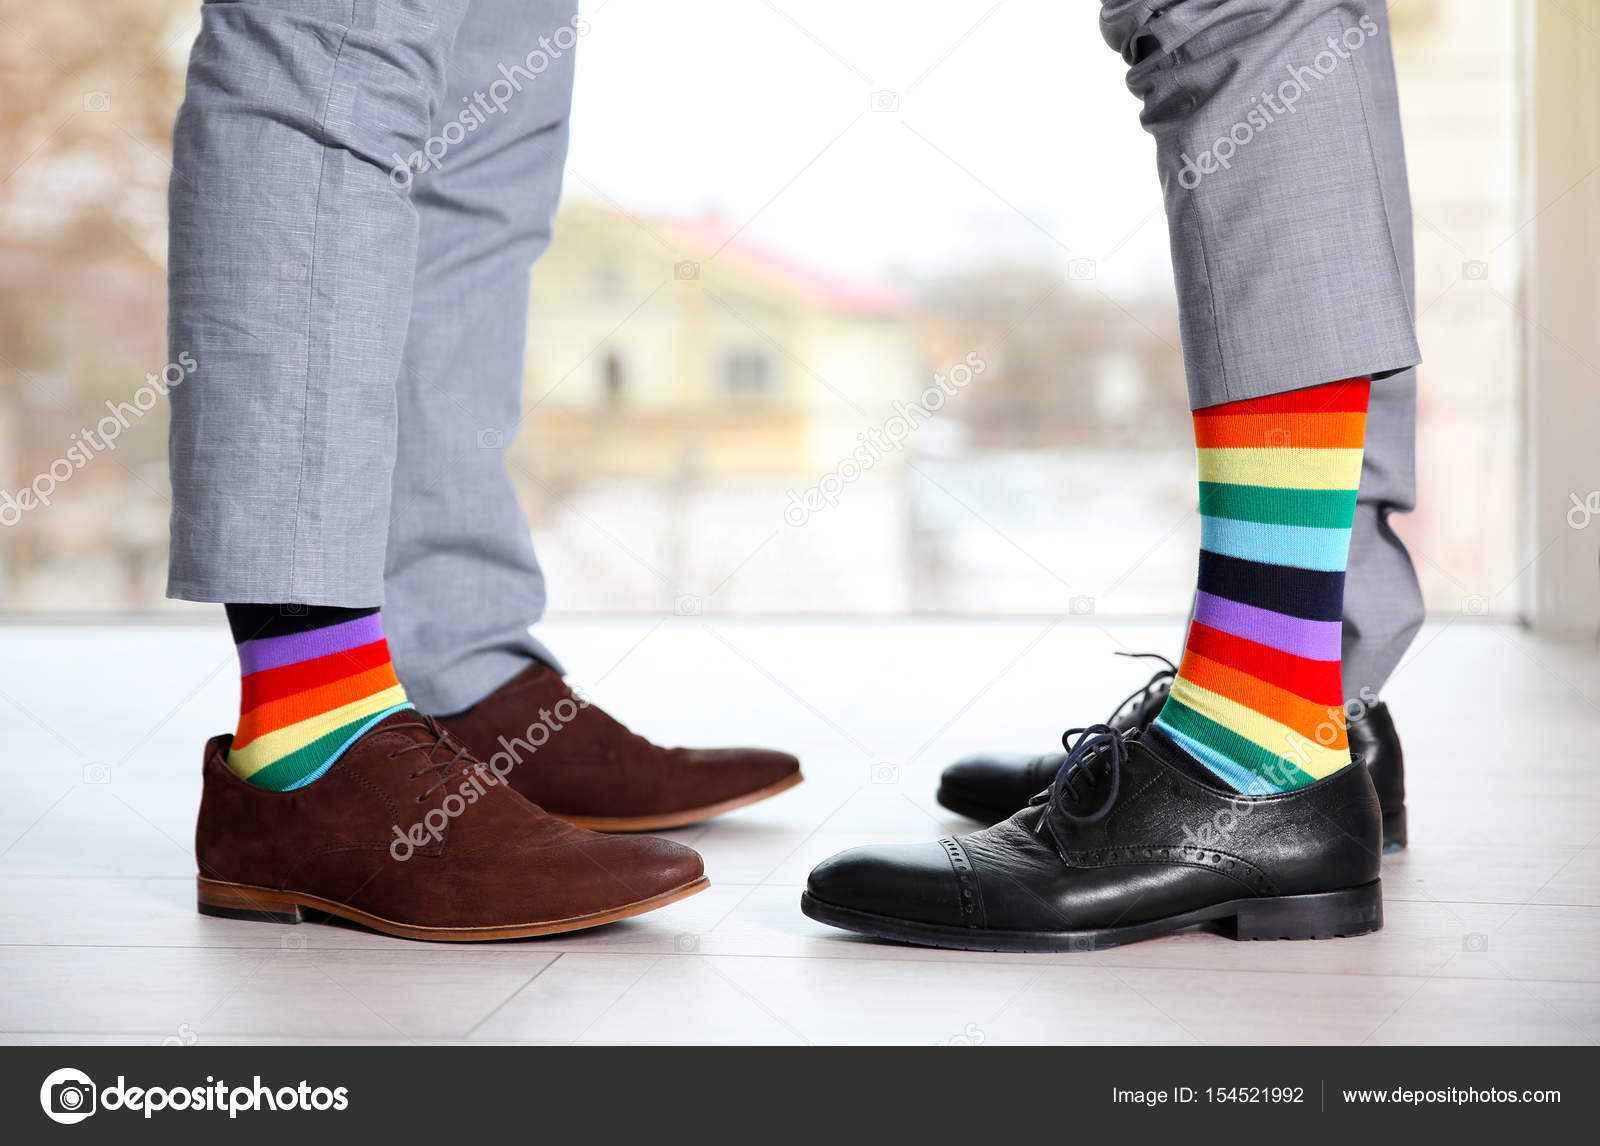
[(1236, 776), (343, 748), (1301, 546)]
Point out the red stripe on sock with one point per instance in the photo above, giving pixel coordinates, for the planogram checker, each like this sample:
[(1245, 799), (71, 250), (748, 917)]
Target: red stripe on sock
[(1347, 397), (1318, 681), (274, 684)]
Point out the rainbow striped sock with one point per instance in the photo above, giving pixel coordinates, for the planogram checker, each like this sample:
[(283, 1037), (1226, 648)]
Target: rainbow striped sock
[(1259, 697), (313, 679)]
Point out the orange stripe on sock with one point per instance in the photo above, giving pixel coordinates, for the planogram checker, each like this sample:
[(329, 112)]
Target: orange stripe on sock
[(1320, 682), (289, 710), (1315, 722), (1343, 431)]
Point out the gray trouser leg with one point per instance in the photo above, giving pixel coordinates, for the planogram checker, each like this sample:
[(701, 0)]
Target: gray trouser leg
[(290, 269), (1382, 600), (1280, 210), (1291, 242), (462, 582)]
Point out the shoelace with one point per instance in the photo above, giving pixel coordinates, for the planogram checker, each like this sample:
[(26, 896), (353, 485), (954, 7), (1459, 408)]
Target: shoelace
[(1139, 694), (1099, 751), (459, 762)]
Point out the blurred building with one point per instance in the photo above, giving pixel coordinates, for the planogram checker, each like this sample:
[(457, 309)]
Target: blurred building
[(661, 347), (690, 394)]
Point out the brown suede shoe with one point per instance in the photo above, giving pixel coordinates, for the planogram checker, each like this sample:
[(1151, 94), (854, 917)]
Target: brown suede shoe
[(562, 752), (409, 834)]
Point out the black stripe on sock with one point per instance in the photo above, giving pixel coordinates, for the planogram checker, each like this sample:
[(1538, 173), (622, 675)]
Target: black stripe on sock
[(1310, 594), (258, 622)]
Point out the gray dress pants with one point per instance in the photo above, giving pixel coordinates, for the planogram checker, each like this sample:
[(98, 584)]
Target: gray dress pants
[(359, 189), (1278, 144), (358, 192)]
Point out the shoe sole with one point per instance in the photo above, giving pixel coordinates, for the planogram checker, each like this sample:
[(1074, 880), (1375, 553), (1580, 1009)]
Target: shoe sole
[(1325, 915), (664, 820), (243, 901)]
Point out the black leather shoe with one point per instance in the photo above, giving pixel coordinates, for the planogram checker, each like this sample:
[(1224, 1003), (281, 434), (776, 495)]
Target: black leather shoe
[(1126, 844), (1374, 739), (991, 786)]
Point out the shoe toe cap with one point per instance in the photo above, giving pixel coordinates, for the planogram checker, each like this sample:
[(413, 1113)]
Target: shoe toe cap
[(986, 772), (648, 865), (992, 785), (906, 881), (725, 773)]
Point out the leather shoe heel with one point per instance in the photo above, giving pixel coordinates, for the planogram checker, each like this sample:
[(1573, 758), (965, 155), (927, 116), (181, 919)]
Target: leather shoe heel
[(239, 901), (1326, 915), (1394, 831)]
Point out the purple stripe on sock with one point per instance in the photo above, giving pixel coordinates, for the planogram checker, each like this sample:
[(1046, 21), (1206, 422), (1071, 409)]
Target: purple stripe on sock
[(275, 652), (1317, 640)]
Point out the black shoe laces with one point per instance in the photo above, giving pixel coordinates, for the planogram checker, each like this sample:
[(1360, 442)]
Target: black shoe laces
[(1095, 758), (1142, 694)]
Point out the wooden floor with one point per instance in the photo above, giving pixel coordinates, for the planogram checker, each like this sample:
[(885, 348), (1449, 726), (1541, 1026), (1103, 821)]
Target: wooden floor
[(1493, 932)]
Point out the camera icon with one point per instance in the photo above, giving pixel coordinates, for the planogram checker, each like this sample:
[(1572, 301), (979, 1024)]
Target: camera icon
[(293, 943), (491, 440), (686, 944), (687, 605), (97, 773), (1080, 270), (96, 101), (1080, 943), (884, 101), (1278, 438), (1475, 269), (292, 609), (885, 773), (72, 1098), (68, 1096), (1081, 607), (1476, 605), (686, 270), (1475, 941)]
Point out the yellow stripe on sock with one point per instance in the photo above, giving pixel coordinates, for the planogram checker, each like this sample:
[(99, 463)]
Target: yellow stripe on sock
[(1283, 468), (275, 745), (1310, 757)]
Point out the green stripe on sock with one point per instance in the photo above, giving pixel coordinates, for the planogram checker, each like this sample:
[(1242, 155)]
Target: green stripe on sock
[(1279, 771), (288, 770), (1322, 508)]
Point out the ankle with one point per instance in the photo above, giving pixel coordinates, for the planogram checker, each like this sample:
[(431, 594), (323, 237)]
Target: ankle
[(313, 680)]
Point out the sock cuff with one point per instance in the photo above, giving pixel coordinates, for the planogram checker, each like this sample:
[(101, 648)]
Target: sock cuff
[(1348, 396), (250, 622)]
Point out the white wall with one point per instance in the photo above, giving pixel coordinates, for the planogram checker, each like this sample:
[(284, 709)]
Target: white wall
[(1562, 331)]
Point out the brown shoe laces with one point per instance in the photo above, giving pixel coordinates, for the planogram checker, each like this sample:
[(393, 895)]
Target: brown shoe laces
[(459, 761)]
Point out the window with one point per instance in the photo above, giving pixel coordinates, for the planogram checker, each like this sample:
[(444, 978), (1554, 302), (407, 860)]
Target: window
[(613, 382), (747, 374)]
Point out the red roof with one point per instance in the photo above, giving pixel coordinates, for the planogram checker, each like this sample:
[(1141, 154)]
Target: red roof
[(712, 237)]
